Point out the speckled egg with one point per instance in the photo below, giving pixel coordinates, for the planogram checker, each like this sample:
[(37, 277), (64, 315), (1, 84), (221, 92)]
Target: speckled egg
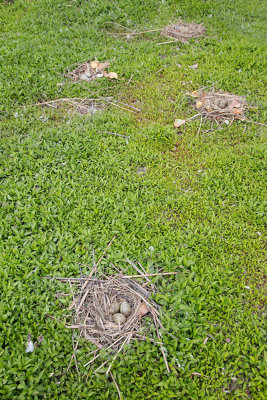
[(114, 307), (119, 318), (125, 308)]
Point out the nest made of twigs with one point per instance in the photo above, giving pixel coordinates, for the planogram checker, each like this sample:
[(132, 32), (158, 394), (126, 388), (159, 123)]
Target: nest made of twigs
[(81, 106), (85, 106), (220, 106), (89, 71), (183, 31), (93, 310), (99, 324)]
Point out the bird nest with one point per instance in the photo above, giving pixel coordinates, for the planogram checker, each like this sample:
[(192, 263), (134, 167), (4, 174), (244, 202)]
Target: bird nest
[(99, 312), (220, 106), (108, 311), (85, 106), (89, 71), (75, 105), (183, 31)]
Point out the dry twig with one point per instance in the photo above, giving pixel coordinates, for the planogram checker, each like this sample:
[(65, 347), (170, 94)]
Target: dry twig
[(116, 385), (116, 134)]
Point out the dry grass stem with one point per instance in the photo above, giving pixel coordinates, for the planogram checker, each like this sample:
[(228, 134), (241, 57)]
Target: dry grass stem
[(115, 134), (134, 33), (123, 108), (116, 385), (168, 42)]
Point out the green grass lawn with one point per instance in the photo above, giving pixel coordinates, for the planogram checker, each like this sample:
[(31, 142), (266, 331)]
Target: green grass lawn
[(66, 188)]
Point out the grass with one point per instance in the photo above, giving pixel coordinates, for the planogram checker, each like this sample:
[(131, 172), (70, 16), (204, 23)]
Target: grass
[(66, 189)]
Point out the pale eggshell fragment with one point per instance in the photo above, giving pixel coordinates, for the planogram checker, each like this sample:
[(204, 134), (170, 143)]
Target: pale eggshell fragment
[(29, 347)]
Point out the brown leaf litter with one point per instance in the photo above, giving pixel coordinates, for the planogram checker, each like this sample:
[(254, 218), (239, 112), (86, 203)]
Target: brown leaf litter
[(183, 31), (89, 71)]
